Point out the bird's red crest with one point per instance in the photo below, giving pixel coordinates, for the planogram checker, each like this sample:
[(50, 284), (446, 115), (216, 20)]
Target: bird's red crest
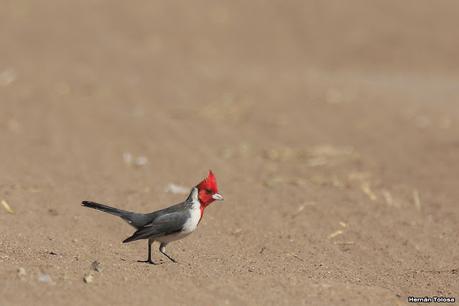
[(207, 188), (209, 182)]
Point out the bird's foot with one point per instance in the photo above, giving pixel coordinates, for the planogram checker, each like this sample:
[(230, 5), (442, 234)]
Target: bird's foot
[(170, 258), (148, 261)]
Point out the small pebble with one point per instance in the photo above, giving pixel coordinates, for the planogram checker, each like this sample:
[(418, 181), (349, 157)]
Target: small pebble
[(88, 278), (96, 266), (138, 161), (44, 278), (21, 272), (7, 207)]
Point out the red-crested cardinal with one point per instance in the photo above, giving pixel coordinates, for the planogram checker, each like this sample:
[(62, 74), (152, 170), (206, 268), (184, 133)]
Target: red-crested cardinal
[(168, 224)]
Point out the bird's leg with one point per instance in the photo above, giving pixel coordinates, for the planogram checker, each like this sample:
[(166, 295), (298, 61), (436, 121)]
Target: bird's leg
[(162, 249), (149, 260)]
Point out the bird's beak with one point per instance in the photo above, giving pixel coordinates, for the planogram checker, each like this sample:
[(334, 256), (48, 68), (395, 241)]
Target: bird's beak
[(217, 196)]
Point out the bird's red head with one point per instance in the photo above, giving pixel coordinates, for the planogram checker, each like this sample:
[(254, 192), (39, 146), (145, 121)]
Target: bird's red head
[(208, 190)]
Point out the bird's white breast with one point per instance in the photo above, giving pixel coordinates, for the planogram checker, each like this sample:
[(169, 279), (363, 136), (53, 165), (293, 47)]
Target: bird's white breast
[(195, 216)]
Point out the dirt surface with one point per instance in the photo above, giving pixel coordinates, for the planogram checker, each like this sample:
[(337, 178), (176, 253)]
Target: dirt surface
[(332, 128)]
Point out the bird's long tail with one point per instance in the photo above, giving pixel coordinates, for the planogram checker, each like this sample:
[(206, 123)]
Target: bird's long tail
[(105, 208), (134, 219)]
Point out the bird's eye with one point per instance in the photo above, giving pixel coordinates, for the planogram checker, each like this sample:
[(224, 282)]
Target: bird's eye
[(208, 191)]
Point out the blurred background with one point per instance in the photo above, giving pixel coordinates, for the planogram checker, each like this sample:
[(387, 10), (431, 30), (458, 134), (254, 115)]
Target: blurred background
[(332, 128)]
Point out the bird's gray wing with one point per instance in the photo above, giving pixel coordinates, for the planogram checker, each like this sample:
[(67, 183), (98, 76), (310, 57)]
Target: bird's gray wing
[(162, 225)]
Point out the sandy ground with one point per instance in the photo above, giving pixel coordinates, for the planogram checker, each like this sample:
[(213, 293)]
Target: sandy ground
[(332, 128)]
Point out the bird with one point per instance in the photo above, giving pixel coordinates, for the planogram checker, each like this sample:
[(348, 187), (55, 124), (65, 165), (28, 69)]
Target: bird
[(171, 223)]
